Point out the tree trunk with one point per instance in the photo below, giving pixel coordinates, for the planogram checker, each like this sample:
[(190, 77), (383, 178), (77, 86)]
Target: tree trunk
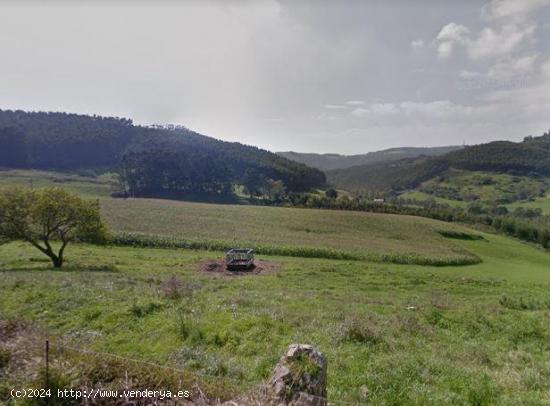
[(56, 261)]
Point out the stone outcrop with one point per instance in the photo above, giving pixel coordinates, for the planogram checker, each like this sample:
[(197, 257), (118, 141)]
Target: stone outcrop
[(300, 378)]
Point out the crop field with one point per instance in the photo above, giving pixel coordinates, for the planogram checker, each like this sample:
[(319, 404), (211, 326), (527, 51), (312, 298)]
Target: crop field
[(368, 234), (393, 334)]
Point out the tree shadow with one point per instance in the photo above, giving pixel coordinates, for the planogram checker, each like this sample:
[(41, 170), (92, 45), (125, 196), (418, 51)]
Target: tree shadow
[(103, 268)]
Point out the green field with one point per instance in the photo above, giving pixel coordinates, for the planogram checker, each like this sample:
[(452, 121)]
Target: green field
[(392, 333), (421, 196), (542, 203), (83, 185)]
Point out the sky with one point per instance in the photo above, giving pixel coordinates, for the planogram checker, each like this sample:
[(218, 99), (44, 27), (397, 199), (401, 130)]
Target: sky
[(324, 76)]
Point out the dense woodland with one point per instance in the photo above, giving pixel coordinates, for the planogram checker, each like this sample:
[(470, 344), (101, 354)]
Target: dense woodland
[(151, 161)]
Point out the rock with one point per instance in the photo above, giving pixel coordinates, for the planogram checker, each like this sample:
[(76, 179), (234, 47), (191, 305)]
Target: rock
[(300, 378)]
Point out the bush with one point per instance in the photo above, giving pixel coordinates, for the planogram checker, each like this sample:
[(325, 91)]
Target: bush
[(143, 309), (172, 288), (5, 357), (57, 380), (331, 193), (524, 304), (362, 329)]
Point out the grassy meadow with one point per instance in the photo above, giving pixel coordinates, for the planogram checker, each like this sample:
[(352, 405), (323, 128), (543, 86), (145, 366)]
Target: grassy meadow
[(393, 333), (83, 185), (421, 196)]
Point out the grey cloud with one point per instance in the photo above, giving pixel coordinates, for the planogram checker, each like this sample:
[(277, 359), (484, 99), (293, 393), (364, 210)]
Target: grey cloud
[(349, 76)]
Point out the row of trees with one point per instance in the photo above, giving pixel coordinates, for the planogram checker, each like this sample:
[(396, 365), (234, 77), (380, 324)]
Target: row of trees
[(161, 173)]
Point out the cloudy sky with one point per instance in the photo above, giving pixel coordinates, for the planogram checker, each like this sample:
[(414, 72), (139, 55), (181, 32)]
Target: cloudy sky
[(317, 76)]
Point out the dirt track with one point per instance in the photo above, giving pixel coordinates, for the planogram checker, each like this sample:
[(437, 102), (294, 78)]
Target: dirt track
[(218, 267)]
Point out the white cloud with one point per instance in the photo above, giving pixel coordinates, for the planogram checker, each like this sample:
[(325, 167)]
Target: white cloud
[(449, 35), (545, 69), (360, 112), (509, 68), (410, 109), (376, 109), (488, 43), (445, 49), (530, 103), (512, 8), (435, 109), (355, 102), (418, 43), (334, 106), (384, 108), (499, 43), (505, 72), (468, 74), (453, 32)]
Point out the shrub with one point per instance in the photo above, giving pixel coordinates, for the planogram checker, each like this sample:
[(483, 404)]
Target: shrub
[(482, 391), (143, 309), (523, 304), (56, 380), (172, 288), (331, 193), (459, 235), (362, 329), (5, 357)]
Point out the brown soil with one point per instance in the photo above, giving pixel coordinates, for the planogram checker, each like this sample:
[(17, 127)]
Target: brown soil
[(218, 267)]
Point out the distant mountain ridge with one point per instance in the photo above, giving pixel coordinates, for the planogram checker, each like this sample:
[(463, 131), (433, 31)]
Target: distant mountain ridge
[(327, 162)]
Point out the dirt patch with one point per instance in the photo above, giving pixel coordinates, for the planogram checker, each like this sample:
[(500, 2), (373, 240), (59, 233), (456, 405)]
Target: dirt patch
[(21, 348), (218, 267)]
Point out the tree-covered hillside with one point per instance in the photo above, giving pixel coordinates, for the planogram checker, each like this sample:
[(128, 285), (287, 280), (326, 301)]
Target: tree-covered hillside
[(531, 157), (151, 160)]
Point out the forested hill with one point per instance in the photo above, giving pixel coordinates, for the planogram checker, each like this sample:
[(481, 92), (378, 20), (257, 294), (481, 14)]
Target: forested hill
[(153, 159), (531, 157), (337, 161)]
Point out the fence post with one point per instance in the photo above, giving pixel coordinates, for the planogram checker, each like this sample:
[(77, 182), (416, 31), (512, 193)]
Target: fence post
[(47, 364)]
